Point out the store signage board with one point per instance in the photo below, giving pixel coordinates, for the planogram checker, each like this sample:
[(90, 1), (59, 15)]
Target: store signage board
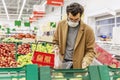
[(55, 2), (43, 59), (39, 8), (38, 11), (32, 19), (53, 24), (17, 23), (27, 24)]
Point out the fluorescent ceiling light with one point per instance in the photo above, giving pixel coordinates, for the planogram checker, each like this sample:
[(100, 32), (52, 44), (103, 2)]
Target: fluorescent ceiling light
[(44, 3), (18, 3), (24, 1), (6, 11)]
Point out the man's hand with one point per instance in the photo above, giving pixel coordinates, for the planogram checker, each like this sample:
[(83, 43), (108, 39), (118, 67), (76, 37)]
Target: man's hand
[(55, 49), (84, 64)]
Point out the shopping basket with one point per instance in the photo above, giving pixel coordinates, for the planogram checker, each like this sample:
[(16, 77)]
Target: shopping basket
[(43, 58), (20, 73)]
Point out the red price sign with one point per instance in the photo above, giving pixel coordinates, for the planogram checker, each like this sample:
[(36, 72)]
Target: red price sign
[(43, 59), (55, 2)]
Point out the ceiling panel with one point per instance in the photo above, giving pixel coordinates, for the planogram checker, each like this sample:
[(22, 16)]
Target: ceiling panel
[(14, 7)]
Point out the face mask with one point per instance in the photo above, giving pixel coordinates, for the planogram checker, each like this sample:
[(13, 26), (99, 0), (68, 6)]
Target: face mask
[(72, 24)]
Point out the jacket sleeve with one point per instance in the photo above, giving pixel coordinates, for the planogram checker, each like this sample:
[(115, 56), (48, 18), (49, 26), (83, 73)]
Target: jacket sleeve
[(89, 47)]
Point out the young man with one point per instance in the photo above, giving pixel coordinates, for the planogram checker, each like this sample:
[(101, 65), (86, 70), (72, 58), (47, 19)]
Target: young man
[(74, 38)]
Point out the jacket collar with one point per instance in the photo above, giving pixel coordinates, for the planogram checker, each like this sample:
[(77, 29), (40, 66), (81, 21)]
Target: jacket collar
[(79, 35)]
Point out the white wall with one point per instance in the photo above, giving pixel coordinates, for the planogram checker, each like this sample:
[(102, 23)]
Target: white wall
[(99, 5), (97, 8)]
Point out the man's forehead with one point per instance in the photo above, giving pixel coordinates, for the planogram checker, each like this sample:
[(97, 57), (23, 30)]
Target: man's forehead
[(76, 16)]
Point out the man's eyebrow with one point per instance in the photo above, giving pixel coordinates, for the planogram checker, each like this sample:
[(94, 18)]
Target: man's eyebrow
[(75, 19)]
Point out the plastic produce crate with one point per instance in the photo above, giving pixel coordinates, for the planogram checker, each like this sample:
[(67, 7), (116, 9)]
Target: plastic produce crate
[(108, 73), (90, 73), (114, 73), (21, 73), (70, 74)]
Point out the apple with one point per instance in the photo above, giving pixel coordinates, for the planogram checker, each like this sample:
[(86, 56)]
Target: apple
[(24, 48), (7, 57), (24, 59)]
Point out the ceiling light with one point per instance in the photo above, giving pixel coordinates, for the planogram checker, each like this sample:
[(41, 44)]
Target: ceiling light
[(5, 9), (44, 3), (24, 1)]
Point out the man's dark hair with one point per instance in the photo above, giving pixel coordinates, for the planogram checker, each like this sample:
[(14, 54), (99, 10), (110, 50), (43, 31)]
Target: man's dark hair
[(74, 9)]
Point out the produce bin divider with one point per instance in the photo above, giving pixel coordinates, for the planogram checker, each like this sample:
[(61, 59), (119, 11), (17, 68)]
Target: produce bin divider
[(29, 72)]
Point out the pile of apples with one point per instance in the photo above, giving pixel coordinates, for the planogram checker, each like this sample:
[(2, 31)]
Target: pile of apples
[(7, 55), (43, 47), (24, 59), (23, 35), (33, 47), (24, 48)]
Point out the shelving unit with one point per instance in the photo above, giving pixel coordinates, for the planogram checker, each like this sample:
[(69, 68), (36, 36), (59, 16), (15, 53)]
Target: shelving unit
[(108, 53)]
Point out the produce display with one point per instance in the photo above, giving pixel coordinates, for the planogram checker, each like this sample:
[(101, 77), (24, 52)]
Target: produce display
[(19, 54), (33, 47), (24, 59), (43, 47), (11, 39), (24, 48), (7, 55), (22, 35)]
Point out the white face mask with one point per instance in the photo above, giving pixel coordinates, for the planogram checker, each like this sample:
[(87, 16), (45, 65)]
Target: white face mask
[(72, 24)]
